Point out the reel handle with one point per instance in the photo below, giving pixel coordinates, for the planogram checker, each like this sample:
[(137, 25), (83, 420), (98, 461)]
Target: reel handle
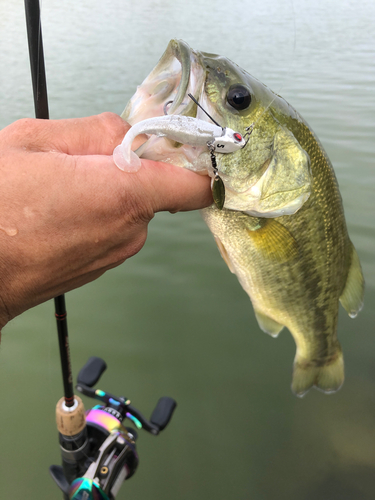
[(89, 375), (91, 372), (163, 412)]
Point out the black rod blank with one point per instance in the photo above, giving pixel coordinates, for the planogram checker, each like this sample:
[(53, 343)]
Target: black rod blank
[(38, 76), (38, 73), (62, 333)]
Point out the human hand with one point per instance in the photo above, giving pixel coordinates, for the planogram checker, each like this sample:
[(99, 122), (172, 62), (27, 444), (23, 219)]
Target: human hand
[(68, 213)]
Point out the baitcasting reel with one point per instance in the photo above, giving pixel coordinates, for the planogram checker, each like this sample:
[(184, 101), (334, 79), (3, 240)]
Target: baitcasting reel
[(98, 459)]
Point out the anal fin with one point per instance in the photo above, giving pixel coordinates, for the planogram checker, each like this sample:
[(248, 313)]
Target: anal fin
[(352, 296), (267, 324)]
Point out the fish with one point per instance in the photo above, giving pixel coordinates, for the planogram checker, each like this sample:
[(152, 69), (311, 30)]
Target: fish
[(280, 227)]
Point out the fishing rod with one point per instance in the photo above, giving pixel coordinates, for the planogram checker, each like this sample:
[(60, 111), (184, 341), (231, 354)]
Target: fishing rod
[(39, 82), (69, 410), (98, 452)]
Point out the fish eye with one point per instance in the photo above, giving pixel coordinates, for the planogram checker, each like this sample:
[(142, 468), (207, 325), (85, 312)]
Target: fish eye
[(239, 97)]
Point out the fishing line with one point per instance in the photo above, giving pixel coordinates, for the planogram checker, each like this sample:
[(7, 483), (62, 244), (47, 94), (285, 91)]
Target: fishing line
[(204, 111)]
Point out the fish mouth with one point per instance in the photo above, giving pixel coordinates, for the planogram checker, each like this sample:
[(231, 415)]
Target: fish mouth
[(165, 90), (179, 72)]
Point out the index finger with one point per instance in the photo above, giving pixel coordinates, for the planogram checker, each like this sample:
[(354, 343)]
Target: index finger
[(93, 135)]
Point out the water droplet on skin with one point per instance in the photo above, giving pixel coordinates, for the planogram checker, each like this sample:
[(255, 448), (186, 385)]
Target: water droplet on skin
[(10, 231)]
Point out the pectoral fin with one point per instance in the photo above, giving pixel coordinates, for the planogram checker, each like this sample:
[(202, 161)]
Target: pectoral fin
[(352, 296), (267, 324), (274, 241)]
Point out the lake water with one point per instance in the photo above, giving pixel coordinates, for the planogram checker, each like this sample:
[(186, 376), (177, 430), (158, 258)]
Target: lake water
[(173, 320)]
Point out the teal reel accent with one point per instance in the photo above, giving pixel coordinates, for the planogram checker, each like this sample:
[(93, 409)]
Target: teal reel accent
[(86, 489)]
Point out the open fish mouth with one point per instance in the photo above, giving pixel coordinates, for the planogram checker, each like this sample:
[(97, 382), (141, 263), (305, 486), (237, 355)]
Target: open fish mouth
[(178, 73), (165, 90)]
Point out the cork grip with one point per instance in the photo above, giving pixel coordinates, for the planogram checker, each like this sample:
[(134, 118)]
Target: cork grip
[(70, 423)]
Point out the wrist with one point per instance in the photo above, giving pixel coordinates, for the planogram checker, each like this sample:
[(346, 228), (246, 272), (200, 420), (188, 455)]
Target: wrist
[(4, 310), (4, 315)]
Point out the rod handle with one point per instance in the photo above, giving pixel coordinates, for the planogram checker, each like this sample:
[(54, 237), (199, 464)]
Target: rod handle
[(70, 421)]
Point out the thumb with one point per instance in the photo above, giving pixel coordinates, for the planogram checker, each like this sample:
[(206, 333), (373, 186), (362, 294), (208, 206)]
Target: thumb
[(173, 188)]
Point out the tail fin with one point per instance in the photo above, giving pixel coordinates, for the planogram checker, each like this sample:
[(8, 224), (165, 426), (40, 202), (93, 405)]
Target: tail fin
[(327, 376)]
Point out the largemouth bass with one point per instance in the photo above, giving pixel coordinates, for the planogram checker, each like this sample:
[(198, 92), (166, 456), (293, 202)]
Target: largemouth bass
[(282, 229)]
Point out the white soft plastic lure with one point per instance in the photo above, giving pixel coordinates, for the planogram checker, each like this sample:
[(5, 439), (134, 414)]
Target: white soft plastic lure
[(183, 129)]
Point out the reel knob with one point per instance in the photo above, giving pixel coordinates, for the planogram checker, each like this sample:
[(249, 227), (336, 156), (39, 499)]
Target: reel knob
[(163, 412)]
